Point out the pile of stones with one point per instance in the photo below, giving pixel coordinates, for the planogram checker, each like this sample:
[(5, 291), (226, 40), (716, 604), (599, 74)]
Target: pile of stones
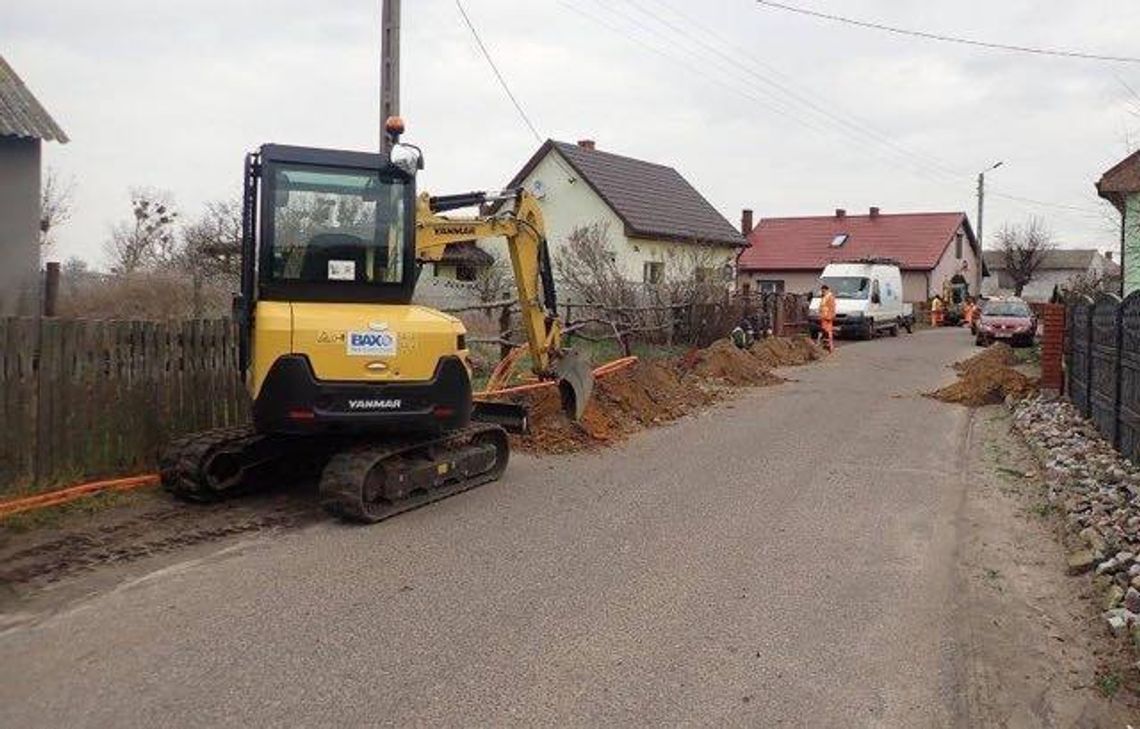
[(1098, 492)]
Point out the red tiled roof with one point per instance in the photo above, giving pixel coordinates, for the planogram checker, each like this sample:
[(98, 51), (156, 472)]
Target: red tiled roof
[(915, 240)]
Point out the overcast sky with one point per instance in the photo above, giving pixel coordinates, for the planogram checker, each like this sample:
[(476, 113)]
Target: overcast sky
[(756, 107)]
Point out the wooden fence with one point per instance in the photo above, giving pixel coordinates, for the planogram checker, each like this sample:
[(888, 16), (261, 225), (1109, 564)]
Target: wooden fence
[(82, 399), (1102, 367)]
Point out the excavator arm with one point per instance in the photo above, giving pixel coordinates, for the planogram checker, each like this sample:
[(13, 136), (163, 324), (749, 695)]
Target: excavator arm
[(519, 222)]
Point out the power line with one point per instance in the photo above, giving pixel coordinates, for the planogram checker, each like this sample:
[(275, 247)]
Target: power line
[(950, 39), (924, 165), (498, 75)]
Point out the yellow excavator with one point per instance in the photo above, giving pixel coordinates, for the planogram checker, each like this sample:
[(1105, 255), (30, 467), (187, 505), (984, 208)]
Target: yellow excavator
[(343, 370)]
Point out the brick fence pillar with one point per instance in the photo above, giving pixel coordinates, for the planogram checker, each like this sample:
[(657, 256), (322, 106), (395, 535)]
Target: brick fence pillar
[(1052, 348)]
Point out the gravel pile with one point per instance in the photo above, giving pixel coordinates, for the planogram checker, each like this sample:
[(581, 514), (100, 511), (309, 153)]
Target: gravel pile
[(1098, 492)]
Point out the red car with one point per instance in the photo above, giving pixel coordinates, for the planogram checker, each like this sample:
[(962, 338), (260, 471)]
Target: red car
[(1007, 320)]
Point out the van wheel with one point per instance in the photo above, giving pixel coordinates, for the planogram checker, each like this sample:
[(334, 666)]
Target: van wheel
[(869, 332)]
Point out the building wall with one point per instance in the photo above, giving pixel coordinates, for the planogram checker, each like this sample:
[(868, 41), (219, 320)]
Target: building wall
[(950, 264), (568, 205), (1040, 287), (801, 282), (19, 224), (1131, 261)]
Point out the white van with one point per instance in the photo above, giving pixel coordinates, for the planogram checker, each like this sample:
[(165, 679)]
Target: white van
[(868, 298)]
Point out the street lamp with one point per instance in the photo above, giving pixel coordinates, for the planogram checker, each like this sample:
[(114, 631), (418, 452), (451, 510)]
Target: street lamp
[(982, 197)]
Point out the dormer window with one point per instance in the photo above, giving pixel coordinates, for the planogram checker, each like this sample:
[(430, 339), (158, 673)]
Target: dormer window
[(839, 240)]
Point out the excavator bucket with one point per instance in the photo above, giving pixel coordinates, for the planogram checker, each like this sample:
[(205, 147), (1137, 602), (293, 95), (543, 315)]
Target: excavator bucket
[(575, 384)]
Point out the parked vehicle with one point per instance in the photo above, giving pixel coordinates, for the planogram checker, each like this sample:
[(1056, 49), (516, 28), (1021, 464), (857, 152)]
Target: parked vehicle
[(868, 298), (1007, 319)]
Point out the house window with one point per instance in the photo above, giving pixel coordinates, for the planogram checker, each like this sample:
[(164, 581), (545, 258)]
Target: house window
[(704, 275), (466, 273), (958, 245), (770, 287), (653, 272), (839, 240)]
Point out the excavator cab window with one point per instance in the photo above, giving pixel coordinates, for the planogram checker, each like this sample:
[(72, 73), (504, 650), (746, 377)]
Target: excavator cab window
[(331, 231)]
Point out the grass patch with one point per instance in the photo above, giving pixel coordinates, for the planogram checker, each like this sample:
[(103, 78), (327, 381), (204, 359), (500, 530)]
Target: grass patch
[(1108, 684), (1028, 355), (1043, 509), (49, 516)]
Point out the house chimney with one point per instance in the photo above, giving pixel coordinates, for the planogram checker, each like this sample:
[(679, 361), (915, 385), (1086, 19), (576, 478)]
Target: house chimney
[(586, 143), (1108, 255), (874, 212), (840, 213), (745, 221)]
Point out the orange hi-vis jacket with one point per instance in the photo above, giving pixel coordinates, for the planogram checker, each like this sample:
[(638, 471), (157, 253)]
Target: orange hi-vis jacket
[(827, 307)]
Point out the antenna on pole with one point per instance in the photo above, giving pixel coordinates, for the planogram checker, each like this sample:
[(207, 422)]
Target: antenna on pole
[(389, 71)]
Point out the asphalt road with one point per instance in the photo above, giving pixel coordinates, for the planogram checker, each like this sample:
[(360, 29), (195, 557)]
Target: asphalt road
[(785, 559)]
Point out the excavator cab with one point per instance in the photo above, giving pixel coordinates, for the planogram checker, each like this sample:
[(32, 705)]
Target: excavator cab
[(330, 341)]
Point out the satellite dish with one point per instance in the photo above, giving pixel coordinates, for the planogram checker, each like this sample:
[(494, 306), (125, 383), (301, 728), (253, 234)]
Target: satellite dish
[(538, 189)]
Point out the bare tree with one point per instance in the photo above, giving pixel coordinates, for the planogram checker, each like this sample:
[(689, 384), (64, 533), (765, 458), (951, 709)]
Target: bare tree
[(586, 266), (149, 240), (1023, 249), (212, 242), (694, 274), (493, 282), (57, 198)]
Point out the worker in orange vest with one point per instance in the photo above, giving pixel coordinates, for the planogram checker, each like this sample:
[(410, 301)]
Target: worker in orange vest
[(970, 312), (936, 311), (827, 316)]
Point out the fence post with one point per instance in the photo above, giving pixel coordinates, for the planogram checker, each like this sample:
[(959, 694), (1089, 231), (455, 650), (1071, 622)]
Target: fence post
[(504, 331)]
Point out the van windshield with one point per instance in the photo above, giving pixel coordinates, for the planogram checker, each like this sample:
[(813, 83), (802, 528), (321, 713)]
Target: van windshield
[(848, 287)]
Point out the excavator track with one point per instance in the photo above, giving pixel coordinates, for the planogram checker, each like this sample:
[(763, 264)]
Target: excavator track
[(185, 464), (373, 481)]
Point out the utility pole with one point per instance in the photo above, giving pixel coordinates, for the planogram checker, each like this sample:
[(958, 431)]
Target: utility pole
[(389, 70), (982, 198)]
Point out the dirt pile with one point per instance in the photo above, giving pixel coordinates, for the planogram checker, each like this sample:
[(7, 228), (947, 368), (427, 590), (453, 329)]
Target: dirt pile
[(653, 392), (786, 351), (987, 379), (724, 362), (645, 394)]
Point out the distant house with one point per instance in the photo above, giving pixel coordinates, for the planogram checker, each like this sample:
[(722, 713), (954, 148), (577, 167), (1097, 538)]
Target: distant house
[(788, 254), (24, 125), (652, 213), (1058, 269), (1121, 186), (462, 262)]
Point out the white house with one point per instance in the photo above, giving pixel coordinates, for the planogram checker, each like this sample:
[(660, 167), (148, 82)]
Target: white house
[(1058, 269), (652, 213)]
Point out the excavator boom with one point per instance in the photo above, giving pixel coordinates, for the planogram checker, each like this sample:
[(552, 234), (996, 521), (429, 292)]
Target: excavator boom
[(519, 222)]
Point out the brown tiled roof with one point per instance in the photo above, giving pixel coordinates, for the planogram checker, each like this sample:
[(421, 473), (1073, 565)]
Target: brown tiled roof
[(20, 114), (916, 240), (652, 200), (1122, 178)]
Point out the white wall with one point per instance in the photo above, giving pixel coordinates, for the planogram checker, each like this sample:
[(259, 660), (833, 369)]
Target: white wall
[(1040, 287), (950, 264), (568, 205)]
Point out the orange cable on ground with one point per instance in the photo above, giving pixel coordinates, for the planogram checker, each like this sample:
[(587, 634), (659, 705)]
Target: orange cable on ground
[(600, 371), (62, 496), (71, 493)]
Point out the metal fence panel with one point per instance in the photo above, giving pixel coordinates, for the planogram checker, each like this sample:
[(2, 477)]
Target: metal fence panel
[(1129, 421), (1105, 372), (1080, 344)]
